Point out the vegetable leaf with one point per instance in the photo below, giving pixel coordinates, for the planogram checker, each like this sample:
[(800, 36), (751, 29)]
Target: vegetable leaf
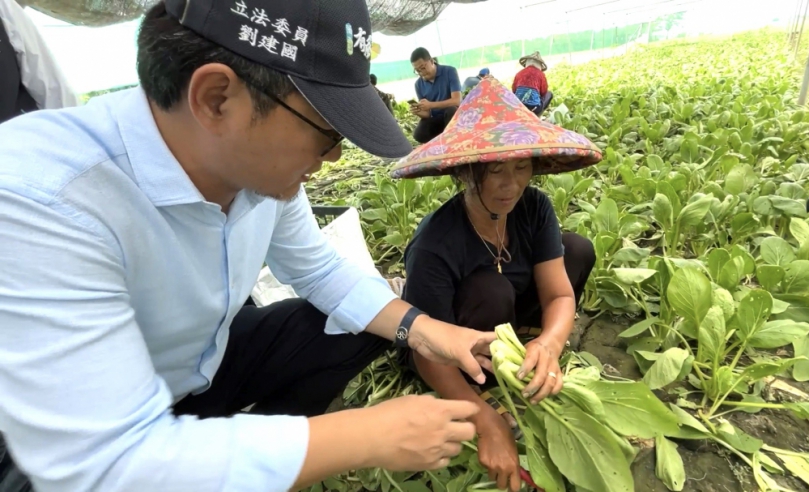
[(800, 371), (543, 472), (631, 409), (639, 327), (753, 311), (585, 452), (776, 251), (666, 369), (711, 337), (669, 464), (776, 334), (689, 293)]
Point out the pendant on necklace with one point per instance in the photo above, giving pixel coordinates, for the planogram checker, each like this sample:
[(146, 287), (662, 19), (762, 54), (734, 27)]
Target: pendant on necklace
[(499, 268)]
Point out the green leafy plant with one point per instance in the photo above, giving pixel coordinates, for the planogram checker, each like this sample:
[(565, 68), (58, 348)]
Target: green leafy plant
[(697, 214), (584, 434)]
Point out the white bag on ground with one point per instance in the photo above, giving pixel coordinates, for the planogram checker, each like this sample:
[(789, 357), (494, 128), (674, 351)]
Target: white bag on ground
[(344, 234)]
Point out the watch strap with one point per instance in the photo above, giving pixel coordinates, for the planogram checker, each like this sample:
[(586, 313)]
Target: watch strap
[(403, 331)]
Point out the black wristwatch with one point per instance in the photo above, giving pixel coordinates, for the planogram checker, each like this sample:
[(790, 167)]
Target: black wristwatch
[(403, 331)]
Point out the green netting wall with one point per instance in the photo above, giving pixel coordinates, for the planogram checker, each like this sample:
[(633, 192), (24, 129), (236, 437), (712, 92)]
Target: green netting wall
[(558, 44)]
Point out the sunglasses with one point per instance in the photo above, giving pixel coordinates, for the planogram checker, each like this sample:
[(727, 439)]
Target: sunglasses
[(333, 135)]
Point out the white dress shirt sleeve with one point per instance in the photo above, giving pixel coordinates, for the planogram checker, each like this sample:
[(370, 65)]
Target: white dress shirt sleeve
[(81, 406), (300, 256), (40, 73)]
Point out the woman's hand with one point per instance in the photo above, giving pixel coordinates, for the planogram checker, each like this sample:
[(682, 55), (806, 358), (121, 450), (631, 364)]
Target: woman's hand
[(542, 357), (497, 451), (449, 344)]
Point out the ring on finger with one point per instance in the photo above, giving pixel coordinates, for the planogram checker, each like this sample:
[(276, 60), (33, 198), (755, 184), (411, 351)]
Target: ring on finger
[(552, 374)]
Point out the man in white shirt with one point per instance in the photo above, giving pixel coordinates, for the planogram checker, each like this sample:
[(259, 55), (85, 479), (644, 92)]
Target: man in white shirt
[(30, 78), (132, 230)]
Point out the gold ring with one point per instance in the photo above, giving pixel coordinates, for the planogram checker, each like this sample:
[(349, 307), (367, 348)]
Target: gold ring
[(552, 374)]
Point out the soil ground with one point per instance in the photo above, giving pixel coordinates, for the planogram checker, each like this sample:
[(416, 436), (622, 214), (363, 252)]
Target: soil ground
[(708, 467)]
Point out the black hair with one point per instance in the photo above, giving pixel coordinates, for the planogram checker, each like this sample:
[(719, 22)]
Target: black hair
[(169, 54), (470, 177), (373, 79), (421, 54)]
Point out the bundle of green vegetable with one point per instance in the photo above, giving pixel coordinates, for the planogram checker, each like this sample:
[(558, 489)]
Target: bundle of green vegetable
[(585, 433)]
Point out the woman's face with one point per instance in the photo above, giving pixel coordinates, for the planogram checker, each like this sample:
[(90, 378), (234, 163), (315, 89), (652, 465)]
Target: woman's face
[(504, 185)]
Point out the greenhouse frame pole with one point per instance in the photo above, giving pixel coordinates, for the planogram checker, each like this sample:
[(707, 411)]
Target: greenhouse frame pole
[(800, 33), (804, 84), (793, 23)]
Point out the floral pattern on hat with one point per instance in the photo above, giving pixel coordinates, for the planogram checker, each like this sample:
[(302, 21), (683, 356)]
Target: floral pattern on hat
[(492, 125)]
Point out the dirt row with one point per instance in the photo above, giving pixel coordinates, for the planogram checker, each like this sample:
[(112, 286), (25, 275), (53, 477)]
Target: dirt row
[(709, 468)]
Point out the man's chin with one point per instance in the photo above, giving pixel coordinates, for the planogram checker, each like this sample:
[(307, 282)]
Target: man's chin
[(286, 197)]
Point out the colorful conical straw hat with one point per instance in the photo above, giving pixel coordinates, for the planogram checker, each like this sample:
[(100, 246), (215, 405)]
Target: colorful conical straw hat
[(492, 125)]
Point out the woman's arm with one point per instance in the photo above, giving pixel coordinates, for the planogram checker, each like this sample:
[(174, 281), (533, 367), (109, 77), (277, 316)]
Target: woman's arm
[(430, 287), (556, 297), (558, 303), (450, 384)]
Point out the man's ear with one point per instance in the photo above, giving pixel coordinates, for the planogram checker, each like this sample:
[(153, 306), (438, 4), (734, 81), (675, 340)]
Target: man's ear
[(215, 93)]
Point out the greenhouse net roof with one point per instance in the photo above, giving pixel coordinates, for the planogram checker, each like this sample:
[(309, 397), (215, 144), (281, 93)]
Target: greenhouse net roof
[(392, 17)]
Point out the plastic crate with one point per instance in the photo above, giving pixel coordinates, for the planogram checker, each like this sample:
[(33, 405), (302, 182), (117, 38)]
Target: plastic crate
[(325, 214)]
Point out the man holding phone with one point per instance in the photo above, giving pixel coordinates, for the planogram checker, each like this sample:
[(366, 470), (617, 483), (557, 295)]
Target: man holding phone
[(438, 90)]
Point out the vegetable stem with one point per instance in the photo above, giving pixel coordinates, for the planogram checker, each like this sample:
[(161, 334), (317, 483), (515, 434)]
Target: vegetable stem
[(750, 404), (734, 451), (469, 445), (528, 436), (392, 481), (785, 452), (642, 305), (720, 401), (738, 356)]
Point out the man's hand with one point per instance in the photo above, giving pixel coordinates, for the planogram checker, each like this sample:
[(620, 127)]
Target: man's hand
[(542, 357), (414, 433), (425, 105), (411, 433), (418, 111), (497, 451), (449, 344)]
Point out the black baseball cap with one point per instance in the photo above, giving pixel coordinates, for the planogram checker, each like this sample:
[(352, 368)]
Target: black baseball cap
[(324, 46)]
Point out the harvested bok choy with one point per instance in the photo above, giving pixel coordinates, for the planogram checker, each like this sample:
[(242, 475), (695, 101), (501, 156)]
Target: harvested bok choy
[(583, 434)]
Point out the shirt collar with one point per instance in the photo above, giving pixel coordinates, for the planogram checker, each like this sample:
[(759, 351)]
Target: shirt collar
[(158, 173), (439, 71)]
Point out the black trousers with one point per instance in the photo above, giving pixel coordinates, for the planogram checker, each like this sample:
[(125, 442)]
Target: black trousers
[(429, 128), (279, 360), (486, 299)]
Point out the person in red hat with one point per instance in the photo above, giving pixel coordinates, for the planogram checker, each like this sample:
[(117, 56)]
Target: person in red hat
[(494, 253), (530, 84)]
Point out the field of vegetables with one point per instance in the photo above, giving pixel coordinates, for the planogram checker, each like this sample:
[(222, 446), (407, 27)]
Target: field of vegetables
[(693, 372)]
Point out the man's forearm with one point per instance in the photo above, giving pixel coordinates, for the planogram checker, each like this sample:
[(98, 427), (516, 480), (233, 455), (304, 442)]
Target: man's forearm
[(387, 321), (338, 442), (450, 384), (557, 322), (447, 103)]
